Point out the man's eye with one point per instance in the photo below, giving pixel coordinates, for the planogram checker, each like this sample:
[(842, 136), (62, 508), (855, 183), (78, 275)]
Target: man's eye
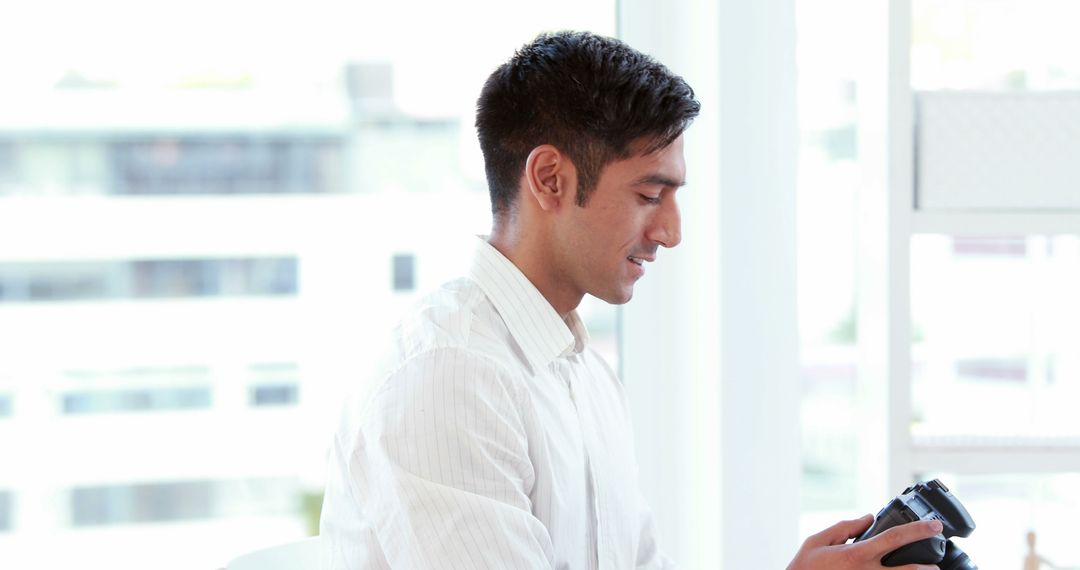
[(650, 199)]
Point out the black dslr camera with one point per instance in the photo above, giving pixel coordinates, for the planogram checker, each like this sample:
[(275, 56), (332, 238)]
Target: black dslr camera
[(926, 501)]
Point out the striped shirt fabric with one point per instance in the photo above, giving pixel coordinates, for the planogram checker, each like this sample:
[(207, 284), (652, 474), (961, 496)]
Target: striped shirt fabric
[(493, 438)]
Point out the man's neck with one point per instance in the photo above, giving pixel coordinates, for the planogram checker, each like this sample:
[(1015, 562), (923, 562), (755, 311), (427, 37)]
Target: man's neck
[(532, 259)]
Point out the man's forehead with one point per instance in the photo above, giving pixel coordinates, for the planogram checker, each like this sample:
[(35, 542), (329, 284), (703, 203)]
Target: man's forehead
[(665, 166)]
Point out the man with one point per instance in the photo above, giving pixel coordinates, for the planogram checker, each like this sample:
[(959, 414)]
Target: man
[(495, 437)]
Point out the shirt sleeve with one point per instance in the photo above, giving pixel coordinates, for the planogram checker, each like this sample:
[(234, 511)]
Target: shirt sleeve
[(441, 467)]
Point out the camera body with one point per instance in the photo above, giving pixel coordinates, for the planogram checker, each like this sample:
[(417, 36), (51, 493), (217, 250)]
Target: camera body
[(928, 500)]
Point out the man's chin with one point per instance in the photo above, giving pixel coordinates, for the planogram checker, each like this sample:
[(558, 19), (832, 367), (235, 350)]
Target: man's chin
[(616, 298)]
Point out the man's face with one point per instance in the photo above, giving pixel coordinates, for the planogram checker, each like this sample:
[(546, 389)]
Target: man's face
[(605, 245)]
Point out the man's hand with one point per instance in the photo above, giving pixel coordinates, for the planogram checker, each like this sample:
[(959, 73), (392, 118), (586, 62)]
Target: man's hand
[(827, 550)]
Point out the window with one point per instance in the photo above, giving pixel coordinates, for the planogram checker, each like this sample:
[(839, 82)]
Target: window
[(7, 164), (178, 501), (6, 506), (993, 315), (404, 272), (135, 390), (168, 165), (50, 165), (52, 281), (1006, 507), (996, 324), (147, 279), (274, 394), (6, 406), (274, 384), (141, 503), (135, 400), (316, 161), (174, 278), (1006, 45), (992, 318), (213, 277), (227, 165)]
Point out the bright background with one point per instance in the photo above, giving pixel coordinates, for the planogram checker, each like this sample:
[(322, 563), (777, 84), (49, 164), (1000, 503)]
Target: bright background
[(210, 212)]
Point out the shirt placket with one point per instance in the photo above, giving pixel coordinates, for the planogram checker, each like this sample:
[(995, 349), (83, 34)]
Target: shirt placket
[(590, 472)]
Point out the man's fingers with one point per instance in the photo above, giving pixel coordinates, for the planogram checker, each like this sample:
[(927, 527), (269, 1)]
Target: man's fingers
[(840, 532), (898, 536)]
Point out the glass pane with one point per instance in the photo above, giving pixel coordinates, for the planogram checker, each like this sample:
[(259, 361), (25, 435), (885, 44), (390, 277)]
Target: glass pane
[(111, 401), (5, 510), (274, 395), (215, 237), (995, 45), (995, 327), (178, 501), (1006, 508), (158, 278)]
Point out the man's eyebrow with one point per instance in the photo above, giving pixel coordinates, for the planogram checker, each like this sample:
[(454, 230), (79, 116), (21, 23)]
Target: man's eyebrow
[(659, 180)]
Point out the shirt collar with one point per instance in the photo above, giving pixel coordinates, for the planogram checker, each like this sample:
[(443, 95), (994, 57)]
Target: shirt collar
[(542, 334)]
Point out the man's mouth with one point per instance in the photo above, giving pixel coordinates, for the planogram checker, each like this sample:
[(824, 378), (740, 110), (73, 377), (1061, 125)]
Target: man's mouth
[(638, 260)]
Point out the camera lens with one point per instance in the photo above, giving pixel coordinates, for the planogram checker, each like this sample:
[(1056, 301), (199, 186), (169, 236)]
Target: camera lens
[(956, 559)]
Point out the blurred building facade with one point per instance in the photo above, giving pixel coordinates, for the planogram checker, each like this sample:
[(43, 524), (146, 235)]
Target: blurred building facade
[(189, 280)]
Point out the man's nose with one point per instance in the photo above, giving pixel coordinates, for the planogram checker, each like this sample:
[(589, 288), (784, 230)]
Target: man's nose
[(667, 226)]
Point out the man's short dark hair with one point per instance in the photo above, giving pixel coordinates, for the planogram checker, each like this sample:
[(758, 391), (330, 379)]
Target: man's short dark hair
[(590, 96)]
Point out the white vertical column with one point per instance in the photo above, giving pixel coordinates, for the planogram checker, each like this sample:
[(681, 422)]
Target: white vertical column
[(886, 200), (670, 332), (762, 389), (709, 343)]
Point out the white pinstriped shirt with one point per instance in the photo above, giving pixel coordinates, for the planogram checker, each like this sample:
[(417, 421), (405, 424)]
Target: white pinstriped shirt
[(494, 439)]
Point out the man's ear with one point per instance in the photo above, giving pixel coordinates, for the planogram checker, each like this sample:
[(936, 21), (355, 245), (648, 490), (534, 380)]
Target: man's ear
[(550, 177)]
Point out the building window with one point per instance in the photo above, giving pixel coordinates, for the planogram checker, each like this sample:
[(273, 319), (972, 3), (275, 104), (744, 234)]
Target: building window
[(147, 279), (6, 405), (989, 247), (181, 500), (136, 400), (173, 278), (6, 506), (992, 369), (274, 394), (274, 384), (227, 165), (57, 281), (404, 272), (7, 164), (142, 503), (214, 277)]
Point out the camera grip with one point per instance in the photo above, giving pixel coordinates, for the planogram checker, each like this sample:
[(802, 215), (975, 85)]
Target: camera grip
[(927, 551)]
